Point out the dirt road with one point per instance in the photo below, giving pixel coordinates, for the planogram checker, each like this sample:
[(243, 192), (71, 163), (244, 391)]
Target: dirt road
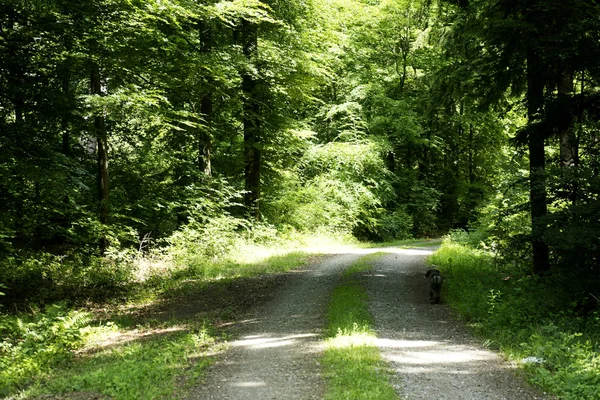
[(277, 354)]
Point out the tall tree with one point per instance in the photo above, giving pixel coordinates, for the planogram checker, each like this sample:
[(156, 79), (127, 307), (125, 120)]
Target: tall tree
[(102, 150), (248, 38)]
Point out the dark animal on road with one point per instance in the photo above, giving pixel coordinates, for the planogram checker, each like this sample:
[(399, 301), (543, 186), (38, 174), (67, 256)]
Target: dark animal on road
[(435, 284)]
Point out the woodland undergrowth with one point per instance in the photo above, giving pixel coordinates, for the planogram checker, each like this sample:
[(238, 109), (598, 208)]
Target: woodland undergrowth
[(533, 320), (80, 331)]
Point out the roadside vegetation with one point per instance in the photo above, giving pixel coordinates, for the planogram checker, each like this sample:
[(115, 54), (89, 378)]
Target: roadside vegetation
[(352, 363), (152, 339), (533, 321)]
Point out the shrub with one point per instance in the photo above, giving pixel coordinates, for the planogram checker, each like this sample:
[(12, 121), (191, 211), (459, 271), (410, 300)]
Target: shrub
[(33, 344), (44, 277)]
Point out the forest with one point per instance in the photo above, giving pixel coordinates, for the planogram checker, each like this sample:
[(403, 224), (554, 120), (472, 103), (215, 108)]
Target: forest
[(143, 140)]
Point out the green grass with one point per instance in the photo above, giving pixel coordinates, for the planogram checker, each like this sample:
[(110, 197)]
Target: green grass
[(62, 349), (352, 363), (525, 316), (148, 367)]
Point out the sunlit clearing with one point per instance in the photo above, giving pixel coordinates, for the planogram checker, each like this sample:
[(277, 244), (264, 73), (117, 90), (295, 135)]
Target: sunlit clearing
[(314, 244), (391, 250)]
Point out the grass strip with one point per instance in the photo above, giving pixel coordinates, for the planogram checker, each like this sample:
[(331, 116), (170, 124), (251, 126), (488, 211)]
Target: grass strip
[(352, 363)]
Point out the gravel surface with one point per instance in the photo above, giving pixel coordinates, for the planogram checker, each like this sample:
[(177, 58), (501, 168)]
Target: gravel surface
[(276, 355), (433, 355)]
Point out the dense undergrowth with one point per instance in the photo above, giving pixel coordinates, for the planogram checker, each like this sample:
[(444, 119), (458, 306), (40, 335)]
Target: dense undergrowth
[(533, 320)]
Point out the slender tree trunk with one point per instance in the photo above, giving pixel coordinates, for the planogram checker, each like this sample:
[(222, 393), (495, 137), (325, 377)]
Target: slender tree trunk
[(19, 226), (425, 162), (569, 143), (64, 218), (568, 140), (206, 108), (251, 120), (103, 177), (471, 166), (205, 139), (66, 147), (537, 162)]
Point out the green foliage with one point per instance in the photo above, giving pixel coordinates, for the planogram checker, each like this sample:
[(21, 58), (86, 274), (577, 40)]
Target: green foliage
[(342, 188), (44, 277), (525, 316), (571, 360), (141, 369), (357, 372), (33, 344), (200, 243), (348, 313)]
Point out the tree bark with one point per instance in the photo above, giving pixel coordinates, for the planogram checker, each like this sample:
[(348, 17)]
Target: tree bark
[(205, 138), (251, 121), (568, 140), (471, 151), (103, 176), (537, 162), (206, 108)]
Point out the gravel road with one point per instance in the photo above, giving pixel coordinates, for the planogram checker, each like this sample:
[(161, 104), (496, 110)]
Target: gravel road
[(433, 355), (276, 355)]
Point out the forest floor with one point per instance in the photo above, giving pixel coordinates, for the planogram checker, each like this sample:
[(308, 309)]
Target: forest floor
[(279, 339)]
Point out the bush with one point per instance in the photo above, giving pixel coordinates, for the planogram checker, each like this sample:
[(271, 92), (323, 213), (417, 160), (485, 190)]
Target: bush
[(33, 344), (340, 187), (394, 225), (197, 245), (44, 277)]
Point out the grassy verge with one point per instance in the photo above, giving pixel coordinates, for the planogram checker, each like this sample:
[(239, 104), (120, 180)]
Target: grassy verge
[(353, 365), (529, 319), (148, 345), (155, 363)]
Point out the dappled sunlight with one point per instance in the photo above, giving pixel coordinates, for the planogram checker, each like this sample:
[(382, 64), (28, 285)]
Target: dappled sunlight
[(391, 250), (352, 340), (249, 384), (327, 245), (432, 357), (258, 342), (442, 356), (109, 336), (405, 344)]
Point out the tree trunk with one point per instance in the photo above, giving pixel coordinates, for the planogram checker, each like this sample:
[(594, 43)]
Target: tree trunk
[(568, 140), (569, 144), (537, 162), (206, 108), (205, 138), (471, 151), (251, 120), (103, 177)]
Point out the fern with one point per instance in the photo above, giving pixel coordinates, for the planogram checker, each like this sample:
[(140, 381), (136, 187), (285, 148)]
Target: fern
[(33, 344)]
